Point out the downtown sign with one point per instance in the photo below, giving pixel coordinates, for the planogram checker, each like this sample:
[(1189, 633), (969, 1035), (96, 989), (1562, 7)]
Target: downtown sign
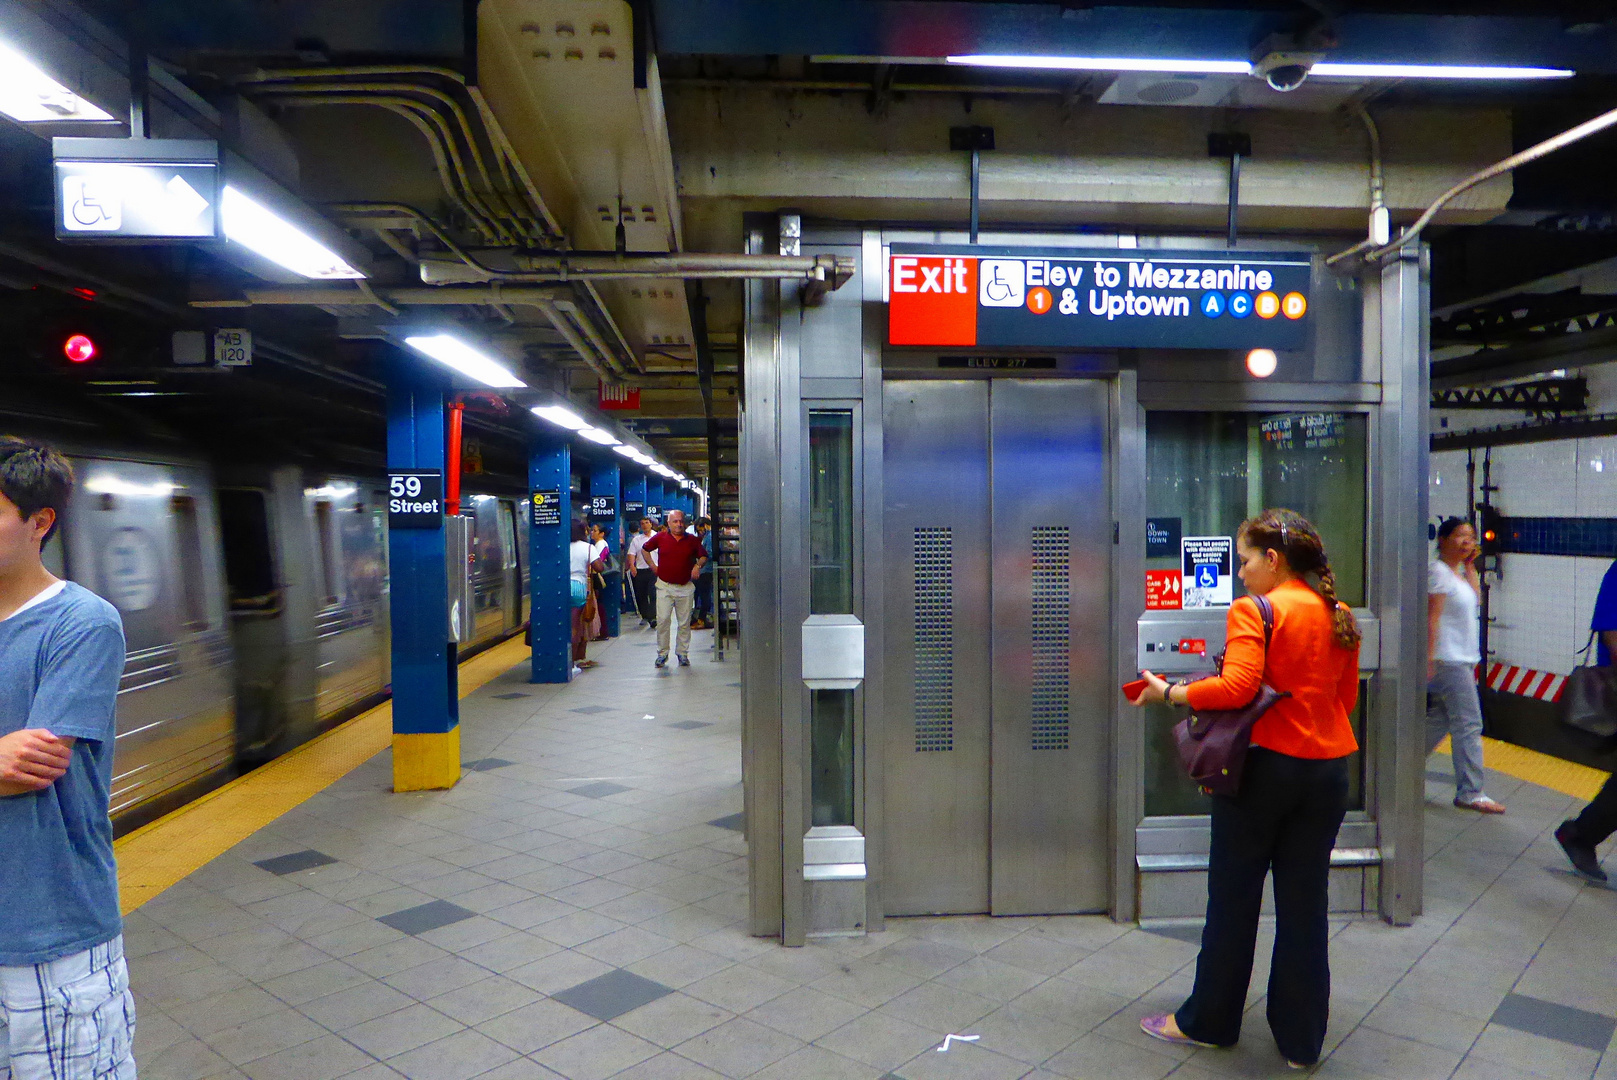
[(1022, 297)]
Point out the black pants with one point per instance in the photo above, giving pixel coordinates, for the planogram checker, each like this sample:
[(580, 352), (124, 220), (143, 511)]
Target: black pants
[(1284, 819), (1599, 818), (645, 593)]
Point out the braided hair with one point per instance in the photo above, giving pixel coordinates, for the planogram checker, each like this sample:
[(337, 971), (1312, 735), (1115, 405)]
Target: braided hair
[(1298, 542)]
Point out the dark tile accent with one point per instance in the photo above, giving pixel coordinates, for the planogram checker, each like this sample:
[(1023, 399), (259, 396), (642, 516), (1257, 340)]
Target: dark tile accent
[(1192, 934), (418, 920), (613, 994), (1580, 1027), (511, 696), (599, 790), (1593, 537), (737, 822), (590, 710), (298, 860), (689, 725), (485, 764)]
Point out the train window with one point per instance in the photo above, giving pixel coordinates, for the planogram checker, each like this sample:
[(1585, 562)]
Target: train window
[(193, 578), (325, 537), (249, 559), (508, 533), (830, 511)]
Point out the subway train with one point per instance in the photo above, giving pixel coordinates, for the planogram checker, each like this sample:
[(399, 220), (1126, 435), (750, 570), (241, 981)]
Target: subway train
[(254, 600)]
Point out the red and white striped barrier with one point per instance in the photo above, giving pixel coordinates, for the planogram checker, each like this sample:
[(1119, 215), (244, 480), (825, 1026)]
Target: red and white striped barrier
[(1539, 685)]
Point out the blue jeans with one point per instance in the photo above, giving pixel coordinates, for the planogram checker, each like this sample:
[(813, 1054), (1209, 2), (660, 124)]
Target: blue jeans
[(1454, 710)]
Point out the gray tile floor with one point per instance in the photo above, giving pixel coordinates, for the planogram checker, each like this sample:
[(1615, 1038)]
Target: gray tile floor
[(532, 923)]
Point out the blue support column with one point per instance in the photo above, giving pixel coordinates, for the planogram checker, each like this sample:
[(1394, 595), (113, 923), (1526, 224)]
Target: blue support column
[(426, 700), (634, 491), (604, 480), (550, 612)]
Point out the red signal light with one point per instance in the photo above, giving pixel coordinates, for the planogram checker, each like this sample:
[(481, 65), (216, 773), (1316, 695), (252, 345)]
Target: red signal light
[(79, 349), (1489, 535)]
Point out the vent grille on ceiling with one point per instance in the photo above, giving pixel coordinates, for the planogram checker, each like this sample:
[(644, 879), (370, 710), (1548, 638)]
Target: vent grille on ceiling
[(934, 639), (1052, 611)]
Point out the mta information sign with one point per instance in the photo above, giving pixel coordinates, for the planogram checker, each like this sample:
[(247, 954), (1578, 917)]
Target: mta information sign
[(1163, 299)]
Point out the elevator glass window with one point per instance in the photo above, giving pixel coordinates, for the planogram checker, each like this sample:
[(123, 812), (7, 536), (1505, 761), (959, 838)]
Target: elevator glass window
[(830, 511), (831, 751), (1214, 470)]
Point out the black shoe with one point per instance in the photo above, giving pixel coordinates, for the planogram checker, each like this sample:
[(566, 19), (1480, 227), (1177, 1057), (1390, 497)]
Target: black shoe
[(684, 661), (662, 661), (1581, 855)]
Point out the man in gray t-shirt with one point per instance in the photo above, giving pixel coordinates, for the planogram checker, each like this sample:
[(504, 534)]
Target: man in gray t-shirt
[(65, 1007)]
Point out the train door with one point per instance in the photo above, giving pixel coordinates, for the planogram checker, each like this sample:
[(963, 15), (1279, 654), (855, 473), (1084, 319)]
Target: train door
[(512, 567), (997, 735)]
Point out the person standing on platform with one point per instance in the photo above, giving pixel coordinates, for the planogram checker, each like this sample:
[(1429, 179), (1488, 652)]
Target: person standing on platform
[(580, 556), (679, 556), (703, 617), (66, 1012), (1579, 836), (1453, 593), (1292, 798), (643, 574), (600, 569)]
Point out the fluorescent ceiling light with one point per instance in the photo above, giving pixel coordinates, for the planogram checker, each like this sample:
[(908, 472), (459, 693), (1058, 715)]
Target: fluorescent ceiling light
[(561, 416), (1108, 63), (117, 485), (596, 435), (626, 451), (1435, 71), (456, 354), (30, 96), (278, 240)]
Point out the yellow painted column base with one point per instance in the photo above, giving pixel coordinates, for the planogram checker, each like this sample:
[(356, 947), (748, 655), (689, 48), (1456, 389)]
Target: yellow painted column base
[(426, 762)]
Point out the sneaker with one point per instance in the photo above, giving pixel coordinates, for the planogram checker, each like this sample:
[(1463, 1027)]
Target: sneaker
[(1481, 804), (1580, 855), (662, 660), (684, 661)]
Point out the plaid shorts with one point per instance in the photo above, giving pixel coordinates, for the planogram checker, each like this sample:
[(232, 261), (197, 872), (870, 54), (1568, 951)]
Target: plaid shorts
[(69, 1019)]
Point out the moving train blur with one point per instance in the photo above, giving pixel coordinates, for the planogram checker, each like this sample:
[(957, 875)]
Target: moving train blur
[(254, 598)]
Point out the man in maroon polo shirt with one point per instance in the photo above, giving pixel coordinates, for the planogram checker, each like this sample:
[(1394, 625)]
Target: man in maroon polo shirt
[(679, 556)]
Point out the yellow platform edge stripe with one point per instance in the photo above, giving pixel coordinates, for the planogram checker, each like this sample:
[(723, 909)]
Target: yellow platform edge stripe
[(1567, 777), (158, 855)]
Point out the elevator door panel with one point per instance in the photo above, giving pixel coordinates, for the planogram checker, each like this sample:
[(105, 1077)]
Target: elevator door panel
[(1051, 540), (936, 724)]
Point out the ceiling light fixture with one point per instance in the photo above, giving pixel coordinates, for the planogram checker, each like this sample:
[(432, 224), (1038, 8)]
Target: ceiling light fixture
[(259, 229), (625, 450), (1328, 69), (561, 416), (596, 435), (1107, 63), (30, 96), (456, 354)]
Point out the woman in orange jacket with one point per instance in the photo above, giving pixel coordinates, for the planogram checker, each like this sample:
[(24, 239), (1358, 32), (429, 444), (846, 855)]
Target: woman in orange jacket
[(1292, 798)]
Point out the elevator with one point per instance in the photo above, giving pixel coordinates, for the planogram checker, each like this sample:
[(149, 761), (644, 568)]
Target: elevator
[(998, 531)]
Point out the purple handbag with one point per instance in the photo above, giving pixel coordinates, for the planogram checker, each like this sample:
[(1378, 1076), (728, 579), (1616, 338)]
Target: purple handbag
[(1213, 742)]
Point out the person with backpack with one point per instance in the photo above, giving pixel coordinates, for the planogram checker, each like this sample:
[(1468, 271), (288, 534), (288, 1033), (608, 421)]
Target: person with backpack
[(1292, 796)]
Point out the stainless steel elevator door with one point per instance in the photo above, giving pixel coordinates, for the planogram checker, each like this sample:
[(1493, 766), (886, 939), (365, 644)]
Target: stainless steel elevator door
[(998, 530)]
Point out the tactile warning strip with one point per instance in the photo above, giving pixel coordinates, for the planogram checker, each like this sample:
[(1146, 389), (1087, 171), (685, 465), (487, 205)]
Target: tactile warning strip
[(1567, 777), (158, 855)]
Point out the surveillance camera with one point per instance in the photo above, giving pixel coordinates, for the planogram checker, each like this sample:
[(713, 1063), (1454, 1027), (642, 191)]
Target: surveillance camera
[(1286, 77)]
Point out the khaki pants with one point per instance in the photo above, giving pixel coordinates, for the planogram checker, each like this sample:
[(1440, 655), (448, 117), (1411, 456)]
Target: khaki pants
[(674, 601)]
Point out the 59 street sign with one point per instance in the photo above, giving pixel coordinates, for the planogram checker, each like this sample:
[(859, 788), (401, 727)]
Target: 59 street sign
[(942, 296)]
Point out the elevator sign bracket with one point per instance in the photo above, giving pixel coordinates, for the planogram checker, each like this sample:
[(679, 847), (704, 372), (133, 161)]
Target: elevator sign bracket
[(1019, 297)]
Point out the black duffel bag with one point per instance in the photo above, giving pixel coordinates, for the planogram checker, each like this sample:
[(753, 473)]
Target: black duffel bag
[(1589, 700)]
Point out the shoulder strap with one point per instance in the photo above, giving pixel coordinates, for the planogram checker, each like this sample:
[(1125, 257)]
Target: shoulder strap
[(1267, 610)]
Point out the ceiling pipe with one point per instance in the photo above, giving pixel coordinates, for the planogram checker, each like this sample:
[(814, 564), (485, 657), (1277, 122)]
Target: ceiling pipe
[(1549, 146), (827, 271)]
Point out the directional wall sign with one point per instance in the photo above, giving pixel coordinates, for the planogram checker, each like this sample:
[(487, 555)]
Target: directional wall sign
[(415, 499), (1020, 297), (136, 189), (546, 505)]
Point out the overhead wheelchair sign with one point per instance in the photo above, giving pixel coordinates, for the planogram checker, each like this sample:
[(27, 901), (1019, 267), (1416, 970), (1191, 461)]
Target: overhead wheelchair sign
[(1014, 297), (136, 189)]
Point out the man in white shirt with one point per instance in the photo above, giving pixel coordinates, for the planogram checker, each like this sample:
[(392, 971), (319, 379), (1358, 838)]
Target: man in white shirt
[(1453, 652), (642, 567)]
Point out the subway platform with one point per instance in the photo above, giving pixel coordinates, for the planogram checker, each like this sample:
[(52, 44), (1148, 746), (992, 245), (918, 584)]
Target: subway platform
[(576, 908)]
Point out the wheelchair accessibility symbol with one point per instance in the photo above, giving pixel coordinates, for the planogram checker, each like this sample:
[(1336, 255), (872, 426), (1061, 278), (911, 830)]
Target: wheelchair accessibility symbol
[(1002, 283), (1206, 576), (90, 204)]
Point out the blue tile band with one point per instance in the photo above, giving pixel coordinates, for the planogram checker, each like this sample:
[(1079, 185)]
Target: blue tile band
[(1588, 536)]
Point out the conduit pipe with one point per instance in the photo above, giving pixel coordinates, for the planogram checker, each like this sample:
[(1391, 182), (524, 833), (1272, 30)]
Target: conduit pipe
[(1532, 153)]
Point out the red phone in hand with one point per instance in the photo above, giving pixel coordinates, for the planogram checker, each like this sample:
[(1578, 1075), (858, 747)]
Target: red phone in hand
[(1133, 690)]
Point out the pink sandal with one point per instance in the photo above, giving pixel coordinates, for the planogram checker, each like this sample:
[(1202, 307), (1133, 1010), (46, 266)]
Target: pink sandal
[(1157, 1028), (1482, 805)]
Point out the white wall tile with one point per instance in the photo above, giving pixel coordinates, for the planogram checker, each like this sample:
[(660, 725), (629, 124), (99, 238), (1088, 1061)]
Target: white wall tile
[(1597, 477), (1536, 479)]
